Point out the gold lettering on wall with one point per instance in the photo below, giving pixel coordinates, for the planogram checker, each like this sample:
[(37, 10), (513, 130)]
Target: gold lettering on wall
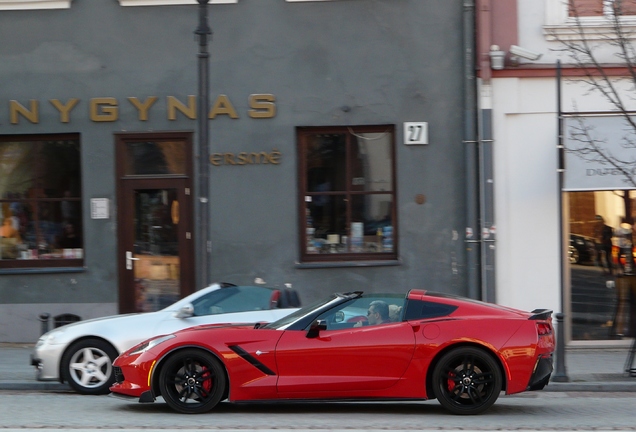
[(222, 105), (31, 114), (143, 107), (246, 158), (262, 106), (175, 105), (104, 109), (64, 109)]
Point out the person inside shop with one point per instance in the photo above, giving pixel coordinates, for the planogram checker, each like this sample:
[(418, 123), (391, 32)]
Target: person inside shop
[(9, 239), (603, 234), (624, 236), (69, 239)]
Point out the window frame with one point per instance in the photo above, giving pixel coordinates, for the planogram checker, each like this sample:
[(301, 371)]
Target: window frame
[(48, 264), (348, 257)]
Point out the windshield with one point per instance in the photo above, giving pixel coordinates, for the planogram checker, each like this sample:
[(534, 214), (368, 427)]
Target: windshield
[(282, 323)]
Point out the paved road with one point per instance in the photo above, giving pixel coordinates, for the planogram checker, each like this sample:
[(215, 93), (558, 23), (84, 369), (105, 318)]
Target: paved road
[(530, 411), (599, 396)]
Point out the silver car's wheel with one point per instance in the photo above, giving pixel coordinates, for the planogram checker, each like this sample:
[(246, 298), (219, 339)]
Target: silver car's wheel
[(87, 366)]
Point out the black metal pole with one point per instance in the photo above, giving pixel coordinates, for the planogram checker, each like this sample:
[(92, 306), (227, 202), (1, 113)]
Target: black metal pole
[(203, 31), (560, 374)]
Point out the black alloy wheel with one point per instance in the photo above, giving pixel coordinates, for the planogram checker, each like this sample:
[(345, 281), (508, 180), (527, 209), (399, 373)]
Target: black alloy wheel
[(467, 380), (192, 381)]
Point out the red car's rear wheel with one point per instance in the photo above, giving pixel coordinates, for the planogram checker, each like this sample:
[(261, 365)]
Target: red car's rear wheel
[(192, 381), (467, 380)]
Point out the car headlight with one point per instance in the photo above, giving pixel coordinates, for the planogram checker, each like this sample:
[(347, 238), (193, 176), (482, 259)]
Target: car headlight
[(149, 344), (49, 338)]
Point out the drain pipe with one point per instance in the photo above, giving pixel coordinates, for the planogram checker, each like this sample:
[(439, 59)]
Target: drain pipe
[(472, 234)]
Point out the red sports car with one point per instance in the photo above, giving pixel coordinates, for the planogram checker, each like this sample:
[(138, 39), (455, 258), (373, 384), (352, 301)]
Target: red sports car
[(350, 346)]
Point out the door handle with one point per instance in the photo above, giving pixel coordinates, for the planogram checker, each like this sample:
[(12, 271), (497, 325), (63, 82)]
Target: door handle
[(129, 260)]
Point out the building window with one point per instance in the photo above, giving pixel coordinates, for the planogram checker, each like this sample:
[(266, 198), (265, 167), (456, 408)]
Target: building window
[(40, 201), (566, 19), (598, 8), (347, 191)]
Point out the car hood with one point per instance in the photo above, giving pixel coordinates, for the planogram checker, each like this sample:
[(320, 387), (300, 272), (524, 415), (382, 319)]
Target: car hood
[(109, 328)]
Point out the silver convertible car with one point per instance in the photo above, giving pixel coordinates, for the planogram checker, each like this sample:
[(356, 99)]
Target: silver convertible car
[(82, 353)]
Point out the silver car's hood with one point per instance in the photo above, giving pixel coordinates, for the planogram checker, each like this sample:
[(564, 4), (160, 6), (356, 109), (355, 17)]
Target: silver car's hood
[(123, 331)]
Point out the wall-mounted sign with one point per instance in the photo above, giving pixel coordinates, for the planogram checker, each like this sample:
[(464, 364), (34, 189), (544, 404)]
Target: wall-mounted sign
[(107, 109), (99, 208), (600, 153), (415, 133), (246, 158)]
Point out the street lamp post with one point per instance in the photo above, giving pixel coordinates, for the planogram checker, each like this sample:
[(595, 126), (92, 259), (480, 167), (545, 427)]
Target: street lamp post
[(203, 32), (560, 374)]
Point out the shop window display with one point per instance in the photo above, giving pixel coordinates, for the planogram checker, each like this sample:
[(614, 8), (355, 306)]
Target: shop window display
[(347, 208), (602, 256), (40, 201)]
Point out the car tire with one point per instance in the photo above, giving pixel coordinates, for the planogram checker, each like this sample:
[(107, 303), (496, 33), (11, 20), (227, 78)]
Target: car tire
[(192, 381), (87, 366), (467, 380)]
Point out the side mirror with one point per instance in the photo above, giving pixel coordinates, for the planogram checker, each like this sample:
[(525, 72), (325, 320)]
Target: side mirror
[(186, 311), (315, 328)]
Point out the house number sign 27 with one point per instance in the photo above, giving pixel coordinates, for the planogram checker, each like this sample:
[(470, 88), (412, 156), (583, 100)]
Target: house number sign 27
[(415, 133)]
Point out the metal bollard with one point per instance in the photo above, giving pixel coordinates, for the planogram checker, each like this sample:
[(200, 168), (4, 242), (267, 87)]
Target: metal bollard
[(560, 374), (44, 319)]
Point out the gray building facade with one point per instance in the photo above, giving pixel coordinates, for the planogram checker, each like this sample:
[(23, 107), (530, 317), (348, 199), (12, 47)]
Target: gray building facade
[(335, 159)]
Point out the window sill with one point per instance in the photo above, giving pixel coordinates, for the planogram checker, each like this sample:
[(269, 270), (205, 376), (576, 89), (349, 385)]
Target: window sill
[(591, 31), (41, 270), (342, 264), (34, 4)]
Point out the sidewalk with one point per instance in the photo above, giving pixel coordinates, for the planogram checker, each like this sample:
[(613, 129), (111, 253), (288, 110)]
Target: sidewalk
[(588, 369)]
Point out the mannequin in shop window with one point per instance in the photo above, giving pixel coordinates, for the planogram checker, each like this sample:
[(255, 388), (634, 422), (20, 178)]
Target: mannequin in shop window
[(69, 238), (9, 240), (603, 234)]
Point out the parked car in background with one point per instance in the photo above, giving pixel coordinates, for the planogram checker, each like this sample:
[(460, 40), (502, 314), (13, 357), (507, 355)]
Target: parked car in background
[(462, 352), (82, 353), (582, 249)]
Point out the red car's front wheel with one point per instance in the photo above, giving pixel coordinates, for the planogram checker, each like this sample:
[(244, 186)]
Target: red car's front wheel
[(192, 381), (467, 380)]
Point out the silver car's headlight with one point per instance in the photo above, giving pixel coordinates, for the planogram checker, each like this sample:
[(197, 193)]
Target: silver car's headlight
[(49, 338), (145, 346)]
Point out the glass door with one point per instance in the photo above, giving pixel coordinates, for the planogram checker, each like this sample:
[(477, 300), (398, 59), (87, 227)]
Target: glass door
[(154, 258), (155, 244)]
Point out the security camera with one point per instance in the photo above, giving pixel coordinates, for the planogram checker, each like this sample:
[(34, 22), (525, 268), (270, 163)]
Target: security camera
[(525, 53)]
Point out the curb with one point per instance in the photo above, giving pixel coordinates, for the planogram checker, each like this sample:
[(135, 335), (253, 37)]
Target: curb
[(35, 386), (607, 387)]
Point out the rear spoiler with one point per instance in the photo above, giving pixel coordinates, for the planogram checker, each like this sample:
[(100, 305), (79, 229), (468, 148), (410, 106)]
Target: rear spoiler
[(540, 314)]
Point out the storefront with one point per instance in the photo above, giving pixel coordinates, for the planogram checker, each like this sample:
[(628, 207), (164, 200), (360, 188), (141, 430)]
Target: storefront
[(335, 155), (564, 165)]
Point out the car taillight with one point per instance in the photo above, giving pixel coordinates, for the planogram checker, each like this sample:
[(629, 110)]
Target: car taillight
[(544, 329)]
